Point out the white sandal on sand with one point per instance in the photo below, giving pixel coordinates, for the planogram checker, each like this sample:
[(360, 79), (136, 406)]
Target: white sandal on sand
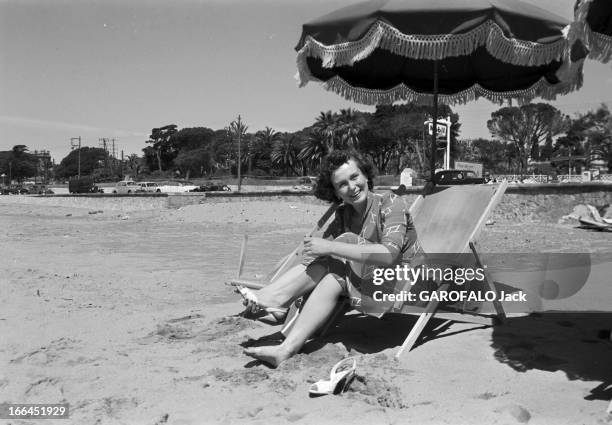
[(250, 299), (340, 378), (277, 314)]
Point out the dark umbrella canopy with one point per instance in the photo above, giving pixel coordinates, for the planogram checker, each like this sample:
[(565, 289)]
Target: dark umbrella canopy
[(594, 26), (383, 51)]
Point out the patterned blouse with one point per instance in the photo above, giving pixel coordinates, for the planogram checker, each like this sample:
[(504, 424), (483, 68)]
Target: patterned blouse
[(385, 221)]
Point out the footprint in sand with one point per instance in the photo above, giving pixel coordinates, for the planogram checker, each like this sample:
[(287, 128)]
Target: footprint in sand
[(45, 389), (113, 406), (518, 413), (249, 377), (378, 392), (47, 354), (193, 327)]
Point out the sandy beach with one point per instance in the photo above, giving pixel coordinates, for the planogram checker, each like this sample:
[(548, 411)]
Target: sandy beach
[(125, 315)]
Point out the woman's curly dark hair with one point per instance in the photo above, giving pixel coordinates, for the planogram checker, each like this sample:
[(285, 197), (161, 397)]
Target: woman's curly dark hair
[(324, 189)]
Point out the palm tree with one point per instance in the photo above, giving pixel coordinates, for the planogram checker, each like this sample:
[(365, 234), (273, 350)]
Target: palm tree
[(327, 124), (264, 143), (314, 149), (350, 124), (133, 163), (237, 129), (285, 152)]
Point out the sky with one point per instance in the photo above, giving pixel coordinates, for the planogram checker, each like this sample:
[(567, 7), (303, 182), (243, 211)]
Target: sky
[(116, 69)]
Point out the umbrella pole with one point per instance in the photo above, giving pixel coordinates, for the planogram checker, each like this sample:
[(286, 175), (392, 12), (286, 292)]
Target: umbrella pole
[(434, 132)]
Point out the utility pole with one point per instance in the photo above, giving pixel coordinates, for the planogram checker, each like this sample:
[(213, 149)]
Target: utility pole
[(114, 160), (73, 144), (448, 140), (121, 164), (102, 143), (239, 157)]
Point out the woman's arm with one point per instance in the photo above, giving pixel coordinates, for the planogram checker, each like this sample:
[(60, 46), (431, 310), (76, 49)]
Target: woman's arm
[(366, 254)]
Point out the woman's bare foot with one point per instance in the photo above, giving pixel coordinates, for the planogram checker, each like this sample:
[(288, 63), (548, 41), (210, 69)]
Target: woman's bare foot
[(273, 355)]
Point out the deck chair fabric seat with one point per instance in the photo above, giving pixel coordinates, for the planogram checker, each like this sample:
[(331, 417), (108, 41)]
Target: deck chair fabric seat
[(450, 217)]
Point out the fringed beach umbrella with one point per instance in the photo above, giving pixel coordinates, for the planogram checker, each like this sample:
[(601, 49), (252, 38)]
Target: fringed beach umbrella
[(384, 51), (593, 22)]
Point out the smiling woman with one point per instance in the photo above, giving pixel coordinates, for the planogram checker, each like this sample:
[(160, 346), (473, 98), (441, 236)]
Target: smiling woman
[(369, 230)]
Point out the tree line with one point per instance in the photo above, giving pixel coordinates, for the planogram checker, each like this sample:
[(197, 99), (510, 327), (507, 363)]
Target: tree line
[(524, 139)]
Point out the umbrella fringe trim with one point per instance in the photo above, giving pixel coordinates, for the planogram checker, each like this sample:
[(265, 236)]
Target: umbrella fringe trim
[(304, 75), (383, 35), (601, 47), (598, 44), (403, 93)]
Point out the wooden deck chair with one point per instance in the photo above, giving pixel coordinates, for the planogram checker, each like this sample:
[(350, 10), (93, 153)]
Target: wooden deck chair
[(449, 220)]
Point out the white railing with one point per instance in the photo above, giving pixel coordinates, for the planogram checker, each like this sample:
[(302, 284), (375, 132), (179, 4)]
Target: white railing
[(543, 178), (567, 178), (526, 178)]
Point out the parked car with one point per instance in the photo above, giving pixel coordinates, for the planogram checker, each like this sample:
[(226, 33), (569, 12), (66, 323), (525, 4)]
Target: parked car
[(177, 187), (40, 189), (15, 190), (305, 183), (455, 177), (212, 187), (148, 187), (126, 186)]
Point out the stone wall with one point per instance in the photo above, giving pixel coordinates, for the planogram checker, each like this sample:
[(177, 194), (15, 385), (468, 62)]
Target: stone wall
[(548, 203)]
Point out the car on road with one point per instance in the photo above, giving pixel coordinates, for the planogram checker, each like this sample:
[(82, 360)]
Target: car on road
[(212, 187), (14, 190), (175, 186), (148, 187), (38, 188), (305, 183), (456, 177), (126, 186)]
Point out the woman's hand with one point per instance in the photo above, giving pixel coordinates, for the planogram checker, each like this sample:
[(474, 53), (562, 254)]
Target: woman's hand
[(317, 247)]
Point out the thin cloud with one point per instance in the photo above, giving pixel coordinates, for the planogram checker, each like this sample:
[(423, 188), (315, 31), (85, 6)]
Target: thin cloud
[(58, 125)]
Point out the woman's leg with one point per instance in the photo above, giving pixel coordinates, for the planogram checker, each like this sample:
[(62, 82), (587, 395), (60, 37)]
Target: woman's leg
[(317, 310), (292, 284)]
